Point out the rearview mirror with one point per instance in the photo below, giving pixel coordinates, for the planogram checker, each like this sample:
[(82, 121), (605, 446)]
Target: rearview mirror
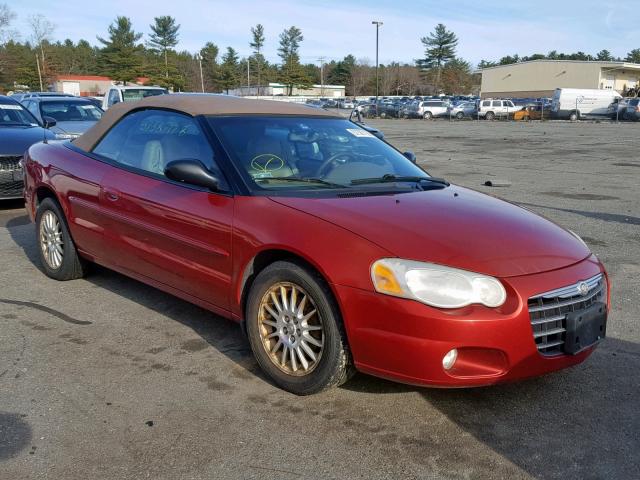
[(410, 156), (49, 122), (192, 172)]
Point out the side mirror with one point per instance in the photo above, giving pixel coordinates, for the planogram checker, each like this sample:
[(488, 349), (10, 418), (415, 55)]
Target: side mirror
[(49, 122), (410, 156), (192, 172)]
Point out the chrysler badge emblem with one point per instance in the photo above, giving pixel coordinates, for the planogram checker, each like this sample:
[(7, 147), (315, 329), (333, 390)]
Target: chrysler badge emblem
[(583, 288)]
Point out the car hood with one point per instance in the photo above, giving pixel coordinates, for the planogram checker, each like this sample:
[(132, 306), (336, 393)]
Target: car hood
[(16, 140), (72, 127), (454, 226)]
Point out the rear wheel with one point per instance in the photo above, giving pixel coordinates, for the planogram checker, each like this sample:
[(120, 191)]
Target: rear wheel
[(573, 116), (459, 115), (295, 329), (490, 116), (427, 115), (58, 253)]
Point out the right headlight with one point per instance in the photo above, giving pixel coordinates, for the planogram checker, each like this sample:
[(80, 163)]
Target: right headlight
[(436, 285)]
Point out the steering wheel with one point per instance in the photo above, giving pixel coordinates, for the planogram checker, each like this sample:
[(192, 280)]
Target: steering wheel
[(328, 164)]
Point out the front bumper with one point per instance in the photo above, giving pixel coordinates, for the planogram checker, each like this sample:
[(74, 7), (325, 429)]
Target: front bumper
[(405, 340)]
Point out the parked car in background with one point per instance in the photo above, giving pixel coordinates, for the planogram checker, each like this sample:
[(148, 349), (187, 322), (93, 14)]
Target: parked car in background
[(73, 115), (97, 101), (633, 110), (334, 250), (617, 109), (346, 103), (493, 108), (575, 103), (27, 95), (428, 109), (18, 131), (130, 93), (462, 110), (529, 112)]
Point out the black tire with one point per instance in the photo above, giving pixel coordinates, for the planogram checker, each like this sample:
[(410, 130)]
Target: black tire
[(427, 115), (490, 116), (573, 116), (459, 115), (71, 266), (334, 366)]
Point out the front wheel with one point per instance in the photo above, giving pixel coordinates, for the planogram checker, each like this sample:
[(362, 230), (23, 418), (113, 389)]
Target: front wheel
[(573, 116), (295, 329), (58, 253), (490, 116), (459, 115), (427, 115)]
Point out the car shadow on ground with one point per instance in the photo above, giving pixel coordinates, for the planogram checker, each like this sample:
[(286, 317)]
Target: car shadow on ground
[(578, 423)]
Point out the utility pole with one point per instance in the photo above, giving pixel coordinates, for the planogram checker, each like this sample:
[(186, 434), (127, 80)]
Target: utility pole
[(378, 25), (321, 60), (201, 76), (248, 76), (39, 72)]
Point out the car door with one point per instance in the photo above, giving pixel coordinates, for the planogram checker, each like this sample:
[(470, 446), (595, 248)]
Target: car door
[(165, 231)]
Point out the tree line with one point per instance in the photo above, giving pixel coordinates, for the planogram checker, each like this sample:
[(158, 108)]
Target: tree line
[(124, 55)]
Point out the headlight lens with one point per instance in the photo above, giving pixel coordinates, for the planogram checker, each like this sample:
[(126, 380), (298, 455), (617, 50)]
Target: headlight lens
[(436, 285)]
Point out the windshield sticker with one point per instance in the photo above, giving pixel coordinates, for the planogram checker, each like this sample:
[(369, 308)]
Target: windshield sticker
[(358, 132), (6, 106)]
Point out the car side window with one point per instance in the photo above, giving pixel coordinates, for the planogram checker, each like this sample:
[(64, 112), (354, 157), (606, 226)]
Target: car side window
[(114, 97), (33, 108), (148, 140), (486, 103), (497, 103)]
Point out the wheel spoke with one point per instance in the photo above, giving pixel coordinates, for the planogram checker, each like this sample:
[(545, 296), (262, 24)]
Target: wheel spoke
[(271, 323), (283, 358), (310, 328), (271, 312), (311, 340), (309, 315), (294, 299), (276, 346), (275, 301), (283, 297), (308, 350), (303, 303), (294, 363), (303, 360)]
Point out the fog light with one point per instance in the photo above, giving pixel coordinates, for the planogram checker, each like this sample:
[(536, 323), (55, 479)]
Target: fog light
[(449, 359)]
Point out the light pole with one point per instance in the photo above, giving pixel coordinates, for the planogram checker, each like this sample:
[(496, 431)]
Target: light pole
[(201, 76), (378, 25)]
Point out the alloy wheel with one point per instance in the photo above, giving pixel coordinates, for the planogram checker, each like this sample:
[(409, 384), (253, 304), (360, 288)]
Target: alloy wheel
[(51, 239), (291, 329)]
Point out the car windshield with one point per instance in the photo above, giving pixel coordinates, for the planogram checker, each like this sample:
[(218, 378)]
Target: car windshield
[(275, 153), (13, 114), (134, 94), (70, 111)]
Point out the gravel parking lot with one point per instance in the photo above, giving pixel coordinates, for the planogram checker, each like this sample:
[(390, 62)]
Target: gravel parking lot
[(106, 378)]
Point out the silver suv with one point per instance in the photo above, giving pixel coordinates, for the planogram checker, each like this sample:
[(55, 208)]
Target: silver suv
[(429, 109)]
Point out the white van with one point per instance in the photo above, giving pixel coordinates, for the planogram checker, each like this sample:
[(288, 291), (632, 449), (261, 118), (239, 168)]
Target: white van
[(574, 103), (121, 93)]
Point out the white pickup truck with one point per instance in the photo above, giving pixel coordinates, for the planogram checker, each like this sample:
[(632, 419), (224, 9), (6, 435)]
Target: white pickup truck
[(130, 93)]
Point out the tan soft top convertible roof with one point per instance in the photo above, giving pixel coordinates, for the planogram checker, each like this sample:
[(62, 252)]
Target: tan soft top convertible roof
[(195, 104)]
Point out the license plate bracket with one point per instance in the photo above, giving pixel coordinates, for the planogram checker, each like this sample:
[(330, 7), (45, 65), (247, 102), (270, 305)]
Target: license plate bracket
[(585, 328)]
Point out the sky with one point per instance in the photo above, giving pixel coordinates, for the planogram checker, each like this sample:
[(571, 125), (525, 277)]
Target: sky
[(487, 29)]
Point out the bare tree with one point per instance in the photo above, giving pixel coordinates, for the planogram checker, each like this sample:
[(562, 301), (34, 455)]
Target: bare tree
[(361, 75), (6, 17), (41, 31)]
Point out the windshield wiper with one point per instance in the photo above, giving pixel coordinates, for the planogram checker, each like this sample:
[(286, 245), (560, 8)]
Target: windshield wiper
[(319, 181), (389, 178)]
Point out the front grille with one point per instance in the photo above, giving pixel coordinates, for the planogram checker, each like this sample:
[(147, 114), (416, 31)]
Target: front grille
[(9, 186), (548, 311), (9, 163)]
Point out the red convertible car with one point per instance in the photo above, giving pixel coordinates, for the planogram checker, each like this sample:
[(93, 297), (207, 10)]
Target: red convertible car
[(333, 250)]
